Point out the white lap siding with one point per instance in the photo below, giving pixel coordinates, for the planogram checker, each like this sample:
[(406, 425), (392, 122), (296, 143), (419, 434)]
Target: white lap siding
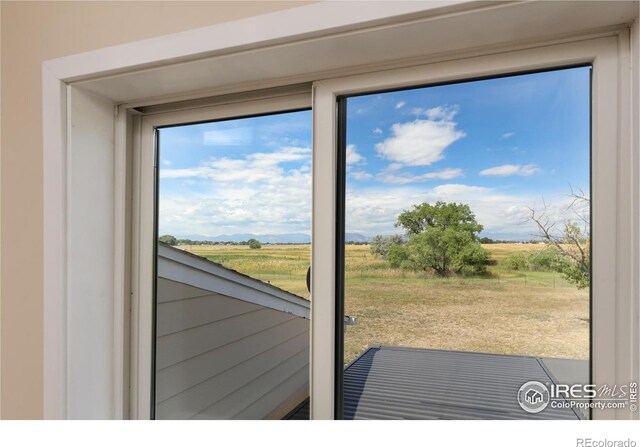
[(221, 357)]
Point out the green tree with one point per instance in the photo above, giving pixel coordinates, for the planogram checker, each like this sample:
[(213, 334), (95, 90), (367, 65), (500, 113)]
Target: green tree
[(380, 245), (254, 244), (398, 257), (168, 239), (442, 237)]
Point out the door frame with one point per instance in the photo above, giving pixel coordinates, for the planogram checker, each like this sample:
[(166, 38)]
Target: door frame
[(613, 352), (144, 215)]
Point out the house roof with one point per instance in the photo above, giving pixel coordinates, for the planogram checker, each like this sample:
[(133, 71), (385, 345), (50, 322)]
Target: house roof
[(195, 271), (408, 383)]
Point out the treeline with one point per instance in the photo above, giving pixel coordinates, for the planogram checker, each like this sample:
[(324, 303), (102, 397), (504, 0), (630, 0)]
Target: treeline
[(171, 240), (550, 259), (487, 240)]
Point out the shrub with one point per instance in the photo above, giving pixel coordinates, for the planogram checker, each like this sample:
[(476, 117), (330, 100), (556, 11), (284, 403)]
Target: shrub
[(517, 261), (398, 257), (546, 260), (381, 245)]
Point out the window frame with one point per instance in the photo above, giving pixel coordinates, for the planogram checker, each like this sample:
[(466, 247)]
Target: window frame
[(144, 214), (611, 351)]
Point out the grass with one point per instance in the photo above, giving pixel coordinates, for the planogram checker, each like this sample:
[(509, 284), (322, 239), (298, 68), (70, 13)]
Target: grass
[(506, 312), (284, 266)]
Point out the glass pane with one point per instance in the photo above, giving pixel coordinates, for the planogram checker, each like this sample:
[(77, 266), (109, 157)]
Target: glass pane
[(232, 304), (467, 248)]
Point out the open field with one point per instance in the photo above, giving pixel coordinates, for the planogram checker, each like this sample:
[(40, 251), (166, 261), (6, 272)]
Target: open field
[(507, 312), (284, 266)]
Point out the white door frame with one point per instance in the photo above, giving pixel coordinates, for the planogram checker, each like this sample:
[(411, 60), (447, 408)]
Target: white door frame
[(144, 216), (86, 299), (614, 352)]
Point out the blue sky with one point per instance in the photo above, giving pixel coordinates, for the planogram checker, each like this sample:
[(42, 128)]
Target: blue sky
[(249, 175), (500, 145)]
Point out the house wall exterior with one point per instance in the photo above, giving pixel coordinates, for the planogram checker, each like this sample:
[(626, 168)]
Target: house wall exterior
[(228, 346), (223, 358), (32, 32)]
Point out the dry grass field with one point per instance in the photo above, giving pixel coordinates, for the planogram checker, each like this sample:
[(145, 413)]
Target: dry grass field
[(506, 312), (284, 266)]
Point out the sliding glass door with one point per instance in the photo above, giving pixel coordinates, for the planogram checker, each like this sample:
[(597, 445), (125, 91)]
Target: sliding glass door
[(464, 262), (232, 309)]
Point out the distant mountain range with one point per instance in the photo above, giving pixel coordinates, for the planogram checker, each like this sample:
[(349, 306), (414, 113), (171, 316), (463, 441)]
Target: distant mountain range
[(356, 237), (287, 238)]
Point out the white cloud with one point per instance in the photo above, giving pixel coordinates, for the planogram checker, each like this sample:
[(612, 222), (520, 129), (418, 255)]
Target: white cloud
[(256, 167), (446, 113), (255, 194), (393, 167), (360, 175), (401, 179), (453, 190), (400, 104), (507, 135), (444, 174), (421, 142), (507, 170), (377, 131), (374, 210), (353, 157), (279, 207), (497, 212), (437, 113), (166, 162), (238, 136)]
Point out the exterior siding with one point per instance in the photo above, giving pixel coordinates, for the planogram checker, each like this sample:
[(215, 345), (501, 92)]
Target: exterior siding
[(219, 357)]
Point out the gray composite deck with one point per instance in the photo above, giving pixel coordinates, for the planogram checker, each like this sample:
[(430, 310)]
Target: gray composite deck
[(406, 383)]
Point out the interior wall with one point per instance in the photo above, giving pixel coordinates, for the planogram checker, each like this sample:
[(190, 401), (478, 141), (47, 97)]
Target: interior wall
[(30, 33)]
